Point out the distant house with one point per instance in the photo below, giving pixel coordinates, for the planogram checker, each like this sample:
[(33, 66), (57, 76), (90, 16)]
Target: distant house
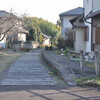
[(66, 17), (3, 42), (16, 33), (46, 40)]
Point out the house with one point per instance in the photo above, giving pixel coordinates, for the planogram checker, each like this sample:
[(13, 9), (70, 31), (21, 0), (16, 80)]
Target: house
[(82, 29), (65, 19), (3, 41), (80, 34), (94, 15), (17, 33), (12, 31), (46, 40)]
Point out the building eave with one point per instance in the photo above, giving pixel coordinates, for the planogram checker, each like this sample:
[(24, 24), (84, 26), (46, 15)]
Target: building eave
[(91, 15)]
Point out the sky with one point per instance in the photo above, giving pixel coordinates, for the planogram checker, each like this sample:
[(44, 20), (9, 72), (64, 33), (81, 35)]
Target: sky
[(46, 9)]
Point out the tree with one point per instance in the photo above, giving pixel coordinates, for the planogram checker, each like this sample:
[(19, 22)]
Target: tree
[(58, 22), (40, 38), (40, 25)]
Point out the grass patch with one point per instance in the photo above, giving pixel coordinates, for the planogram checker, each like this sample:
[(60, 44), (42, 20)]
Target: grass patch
[(90, 64), (58, 51), (93, 80), (6, 59)]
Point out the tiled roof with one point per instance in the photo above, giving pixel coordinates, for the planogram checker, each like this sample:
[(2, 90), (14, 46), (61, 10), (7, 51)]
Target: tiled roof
[(73, 12), (3, 13)]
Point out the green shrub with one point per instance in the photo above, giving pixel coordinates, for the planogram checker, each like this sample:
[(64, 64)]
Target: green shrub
[(66, 51), (61, 43), (49, 48)]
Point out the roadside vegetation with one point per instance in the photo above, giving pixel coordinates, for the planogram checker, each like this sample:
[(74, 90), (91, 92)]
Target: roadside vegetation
[(88, 81), (6, 59)]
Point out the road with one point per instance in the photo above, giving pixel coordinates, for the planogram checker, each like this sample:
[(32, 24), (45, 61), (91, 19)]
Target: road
[(28, 79)]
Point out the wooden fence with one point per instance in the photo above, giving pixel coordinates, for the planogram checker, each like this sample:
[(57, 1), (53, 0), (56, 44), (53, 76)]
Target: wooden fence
[(81, 60)]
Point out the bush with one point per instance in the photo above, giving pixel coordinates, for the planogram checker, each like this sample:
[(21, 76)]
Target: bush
[(68, 43), (63, 43), (66, 51), (49, 48), (60, 43)]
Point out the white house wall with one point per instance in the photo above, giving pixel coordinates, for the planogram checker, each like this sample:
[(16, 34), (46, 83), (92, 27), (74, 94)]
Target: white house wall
[(79, 44), (96, 5), (88, 43), (66, 24), (21, 37), (87, 4)]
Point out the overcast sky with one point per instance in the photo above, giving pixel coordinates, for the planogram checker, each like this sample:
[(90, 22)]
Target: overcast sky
[(46, 9)]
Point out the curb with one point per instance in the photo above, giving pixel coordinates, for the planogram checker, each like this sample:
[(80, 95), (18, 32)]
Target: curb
[(63, 71)]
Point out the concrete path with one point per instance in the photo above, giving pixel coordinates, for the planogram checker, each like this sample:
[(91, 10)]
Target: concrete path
[(28, 70), (48, 93), (28, 79)]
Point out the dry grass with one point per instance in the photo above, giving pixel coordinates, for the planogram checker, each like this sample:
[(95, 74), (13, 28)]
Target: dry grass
[(90, 64), (6, 59)]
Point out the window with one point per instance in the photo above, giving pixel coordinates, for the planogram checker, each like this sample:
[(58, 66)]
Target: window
[(97, 35), (74, 36)]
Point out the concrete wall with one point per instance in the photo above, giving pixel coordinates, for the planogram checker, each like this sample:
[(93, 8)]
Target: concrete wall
[(79, 44)]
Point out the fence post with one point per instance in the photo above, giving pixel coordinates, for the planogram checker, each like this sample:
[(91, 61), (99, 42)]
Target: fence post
[(81, 61), (69, 57), (97, 63)]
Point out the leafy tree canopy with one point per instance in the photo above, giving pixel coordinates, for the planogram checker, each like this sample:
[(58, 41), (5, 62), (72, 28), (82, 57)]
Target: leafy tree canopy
[(37, 26)]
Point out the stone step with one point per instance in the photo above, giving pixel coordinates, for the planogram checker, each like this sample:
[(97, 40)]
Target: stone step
[(26, 68), (28, 83), (27, 74), (25, 78), (25, 71), (42, 76)]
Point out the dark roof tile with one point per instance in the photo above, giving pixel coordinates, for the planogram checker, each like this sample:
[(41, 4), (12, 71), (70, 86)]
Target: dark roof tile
[(73, 12)]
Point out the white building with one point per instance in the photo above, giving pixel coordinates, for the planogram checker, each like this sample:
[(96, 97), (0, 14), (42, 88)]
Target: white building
[(66, 16), (87, 5), (93, 15)]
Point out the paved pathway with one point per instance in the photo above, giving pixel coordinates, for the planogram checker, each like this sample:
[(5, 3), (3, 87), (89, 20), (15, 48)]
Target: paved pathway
[(37, 84), (48, 93), (28, 70)]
